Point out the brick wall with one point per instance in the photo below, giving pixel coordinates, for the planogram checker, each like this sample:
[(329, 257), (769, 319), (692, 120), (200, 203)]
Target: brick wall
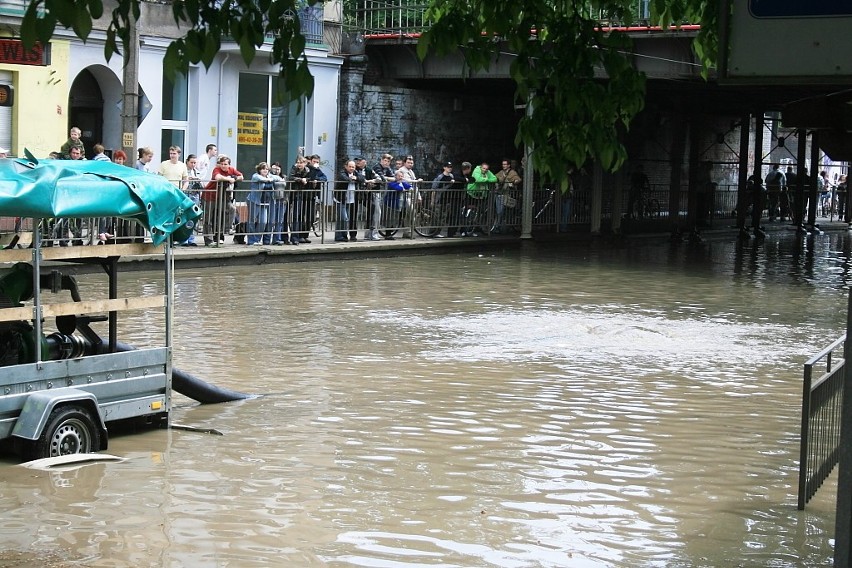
[(432, 126)]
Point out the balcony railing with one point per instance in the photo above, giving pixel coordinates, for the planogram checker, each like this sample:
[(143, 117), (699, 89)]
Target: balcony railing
[(408, 17)]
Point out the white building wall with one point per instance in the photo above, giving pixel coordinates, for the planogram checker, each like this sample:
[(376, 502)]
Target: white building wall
[(213, 95)]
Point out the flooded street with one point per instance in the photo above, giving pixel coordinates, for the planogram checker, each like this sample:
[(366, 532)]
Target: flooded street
[(583, 407)]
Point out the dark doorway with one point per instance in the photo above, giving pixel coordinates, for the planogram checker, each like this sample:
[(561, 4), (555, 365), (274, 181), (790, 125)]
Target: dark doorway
[(86, 110)]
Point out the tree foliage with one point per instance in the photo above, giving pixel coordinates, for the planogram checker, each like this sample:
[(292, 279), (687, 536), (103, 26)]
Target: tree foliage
[(561, 56), (249, 23)]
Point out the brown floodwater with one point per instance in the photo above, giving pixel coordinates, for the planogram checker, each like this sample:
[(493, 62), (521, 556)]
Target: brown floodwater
[(581, 406)]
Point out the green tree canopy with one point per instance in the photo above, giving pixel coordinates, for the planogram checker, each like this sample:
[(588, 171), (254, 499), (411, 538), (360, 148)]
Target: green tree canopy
[(561, 55), (560, 51)]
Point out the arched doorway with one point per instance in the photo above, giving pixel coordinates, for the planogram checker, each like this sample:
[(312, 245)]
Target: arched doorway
[(86, 109)]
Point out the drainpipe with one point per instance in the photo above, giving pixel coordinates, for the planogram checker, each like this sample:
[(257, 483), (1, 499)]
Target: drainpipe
[(219, 100)]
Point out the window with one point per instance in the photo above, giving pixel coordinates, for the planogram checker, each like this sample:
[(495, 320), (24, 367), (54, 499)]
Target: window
[(175, 123), (267, 129)]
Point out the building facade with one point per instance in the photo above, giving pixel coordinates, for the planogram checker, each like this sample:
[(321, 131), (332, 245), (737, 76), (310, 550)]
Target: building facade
[(230, 104)]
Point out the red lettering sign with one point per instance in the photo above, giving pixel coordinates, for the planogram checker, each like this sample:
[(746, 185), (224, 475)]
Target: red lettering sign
[(12, 51)]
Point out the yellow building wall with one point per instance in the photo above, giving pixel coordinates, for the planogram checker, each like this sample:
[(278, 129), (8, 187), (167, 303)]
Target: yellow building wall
[(40, 109)]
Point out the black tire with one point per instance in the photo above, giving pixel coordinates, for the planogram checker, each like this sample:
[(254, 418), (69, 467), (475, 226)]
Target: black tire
[(427, 222), (316, 225), (70, 429)]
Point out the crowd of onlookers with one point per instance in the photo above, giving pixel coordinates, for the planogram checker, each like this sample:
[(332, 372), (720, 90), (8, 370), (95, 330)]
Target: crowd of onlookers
[(278, 205)]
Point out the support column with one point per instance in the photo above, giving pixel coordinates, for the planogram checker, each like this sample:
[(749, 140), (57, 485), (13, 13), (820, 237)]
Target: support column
[(743, 198), (759, 194), (802, 180), (679, 135), (813, 194)]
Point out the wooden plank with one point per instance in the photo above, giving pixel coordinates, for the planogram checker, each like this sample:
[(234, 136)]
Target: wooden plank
[(87, 307), (81, 252), (102, 306), (16, 314)]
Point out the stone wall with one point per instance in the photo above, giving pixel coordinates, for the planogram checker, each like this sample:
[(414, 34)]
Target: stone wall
[(431, 126)]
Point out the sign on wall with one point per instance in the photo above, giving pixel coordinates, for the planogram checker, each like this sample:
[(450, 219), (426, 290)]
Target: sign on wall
[(250, 128), (12, 51)]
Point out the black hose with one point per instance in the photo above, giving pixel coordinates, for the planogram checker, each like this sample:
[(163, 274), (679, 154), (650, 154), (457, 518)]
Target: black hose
[(193, 387)]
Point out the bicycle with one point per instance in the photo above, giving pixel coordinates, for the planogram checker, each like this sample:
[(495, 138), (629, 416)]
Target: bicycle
[(645, 206), (430, 215)]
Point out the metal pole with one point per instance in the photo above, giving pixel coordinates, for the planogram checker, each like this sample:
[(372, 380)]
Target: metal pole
[(527, 197), (130, 96)]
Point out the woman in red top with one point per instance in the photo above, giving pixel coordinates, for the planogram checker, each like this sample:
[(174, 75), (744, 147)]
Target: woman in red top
[(217, 197)]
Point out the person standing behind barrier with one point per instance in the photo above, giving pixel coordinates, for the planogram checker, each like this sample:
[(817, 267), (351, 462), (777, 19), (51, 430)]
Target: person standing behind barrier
[(407, 204), (145, 156), (344, 197), (217, 198), (394, 200), (842, 190), (508, 181), (174, 169), (639, 187), (281, 199), (459, 200), (483, 181), (775, 182), (193, 191), (300, 200), (755, 187), (206, 162), (100, 155), (441, 201), (259, 200), (824, 193), (370, 184), (384, 175), (318, 185)]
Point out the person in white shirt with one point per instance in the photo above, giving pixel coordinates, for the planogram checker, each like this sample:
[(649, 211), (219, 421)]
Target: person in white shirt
[(203, 165)]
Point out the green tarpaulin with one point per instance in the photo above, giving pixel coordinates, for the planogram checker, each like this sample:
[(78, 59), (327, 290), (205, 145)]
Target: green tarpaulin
[(83, 188)]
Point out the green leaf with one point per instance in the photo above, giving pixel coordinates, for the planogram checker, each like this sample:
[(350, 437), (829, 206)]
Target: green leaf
[(82, 24)]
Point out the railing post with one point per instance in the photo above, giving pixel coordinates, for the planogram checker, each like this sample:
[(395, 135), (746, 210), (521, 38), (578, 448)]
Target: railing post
[(805, 434)]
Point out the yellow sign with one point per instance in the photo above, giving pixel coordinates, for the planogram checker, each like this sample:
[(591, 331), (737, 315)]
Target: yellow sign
[(250, 128), (127, 139)]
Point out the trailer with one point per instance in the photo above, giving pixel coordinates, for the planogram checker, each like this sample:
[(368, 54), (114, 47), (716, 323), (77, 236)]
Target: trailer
[(63, 379)]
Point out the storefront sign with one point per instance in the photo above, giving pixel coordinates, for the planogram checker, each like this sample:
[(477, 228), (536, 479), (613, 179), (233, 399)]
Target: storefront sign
[(250, 129), (12, 51)]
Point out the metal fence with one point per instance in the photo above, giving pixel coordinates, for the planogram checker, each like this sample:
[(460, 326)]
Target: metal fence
[(405, 17), (822, 399)]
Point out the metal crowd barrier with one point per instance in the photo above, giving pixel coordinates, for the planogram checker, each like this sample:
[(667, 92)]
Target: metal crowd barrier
[(822, 400)]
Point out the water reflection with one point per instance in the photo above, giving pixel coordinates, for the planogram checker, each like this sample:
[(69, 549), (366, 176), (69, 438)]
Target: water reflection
[(596, 406)]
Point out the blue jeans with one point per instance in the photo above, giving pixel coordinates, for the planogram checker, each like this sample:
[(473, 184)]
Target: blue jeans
[(278, 220), (258, 220)]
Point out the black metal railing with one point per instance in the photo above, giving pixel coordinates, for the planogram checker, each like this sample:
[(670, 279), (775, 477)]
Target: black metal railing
[(822, 400), (408, 17)]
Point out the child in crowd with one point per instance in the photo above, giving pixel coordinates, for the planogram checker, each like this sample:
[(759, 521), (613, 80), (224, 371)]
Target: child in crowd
[(73, 142)]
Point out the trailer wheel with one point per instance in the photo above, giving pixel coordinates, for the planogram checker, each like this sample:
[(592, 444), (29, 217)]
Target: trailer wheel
[(70, 430)]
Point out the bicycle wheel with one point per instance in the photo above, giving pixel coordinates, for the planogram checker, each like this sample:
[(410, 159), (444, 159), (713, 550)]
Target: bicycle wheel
[(426, 221), (316, 224), (652, 208)]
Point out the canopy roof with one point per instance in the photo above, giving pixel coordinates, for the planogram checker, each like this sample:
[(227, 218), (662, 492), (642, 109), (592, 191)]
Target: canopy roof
[(82, 188)]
